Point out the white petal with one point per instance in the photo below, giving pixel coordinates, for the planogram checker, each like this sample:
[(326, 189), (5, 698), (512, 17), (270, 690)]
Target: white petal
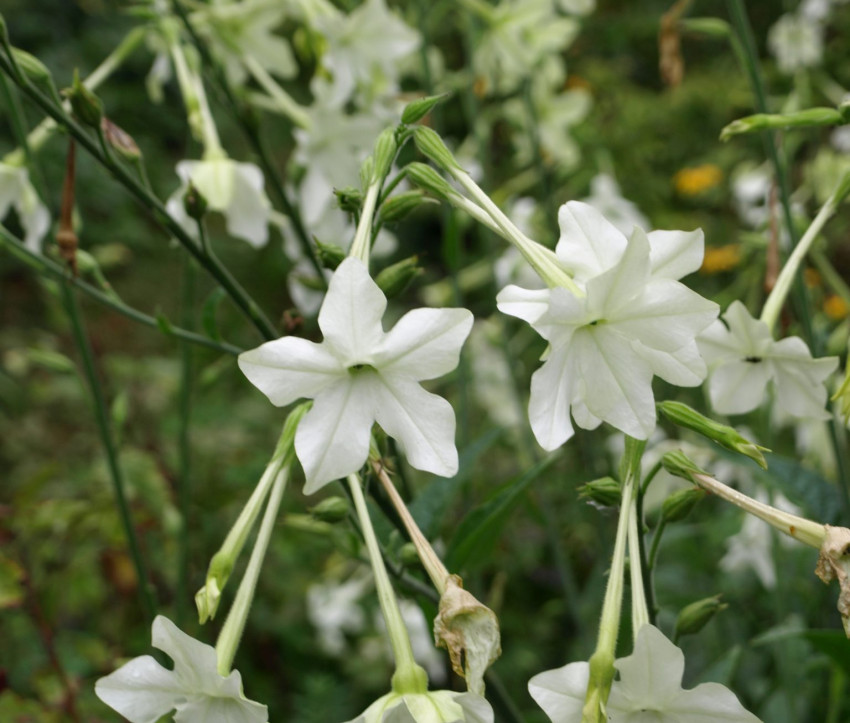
[(247, 214), (708, 703), (290, 368), (215, 179), (753, 335), (421, 422), (332, 440), (612, 292), (351, 314), (589, 244), (674, 254), (618, 384), (716, 343), (737, 387), (206, 709), (582, 416), (526, 304), (425, 343), (551, 392), (651, 675), (561, 692), (193, 660), (475, 708), (683, 367), (141, 690), (799, 379)]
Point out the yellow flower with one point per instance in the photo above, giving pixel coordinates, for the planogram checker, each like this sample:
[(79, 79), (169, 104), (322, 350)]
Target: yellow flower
[(718, 259), (835, 307), (696, 180)]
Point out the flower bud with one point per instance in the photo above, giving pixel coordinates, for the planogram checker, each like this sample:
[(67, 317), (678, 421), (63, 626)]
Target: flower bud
[(723, 434), (396, 208), (330, 510), (350, 199), (694, 617), (679, 505), (416, 110), (87, 107), (37, 72), (605, 491), (409, 556), (800, 119), (194, 202), (680, 465), (120, 141), (469, 631), (712, 27), (431, 145), (385, 150), (396, 278), (330, 255), (427, 178)]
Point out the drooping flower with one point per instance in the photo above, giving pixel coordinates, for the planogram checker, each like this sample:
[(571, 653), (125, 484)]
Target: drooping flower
[(230, 188), (743, 358), (649, 689), (17, 191), (439, 706), (143, 691), (634, 321), (361, 374)]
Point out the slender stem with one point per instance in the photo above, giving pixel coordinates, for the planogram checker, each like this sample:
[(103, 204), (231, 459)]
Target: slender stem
[(640, 610), (361, 246), (656, 543), (282, 99), (105, 430), (47, 267), (234, 626)]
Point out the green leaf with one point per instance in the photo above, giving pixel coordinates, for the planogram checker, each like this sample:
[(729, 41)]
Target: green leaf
[(208, 313), (480, 529)]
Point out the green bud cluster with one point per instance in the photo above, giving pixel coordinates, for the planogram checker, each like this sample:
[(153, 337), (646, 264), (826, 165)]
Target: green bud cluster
[(331, 510), (416, 110), (694, 617), (396, 278), (87, 107), (680, 504), (605, 491)]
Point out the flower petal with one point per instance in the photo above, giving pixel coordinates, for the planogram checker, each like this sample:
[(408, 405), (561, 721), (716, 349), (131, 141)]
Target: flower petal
[(737, 387), (549, 404), (351, 314), (421, 422), (333, 438), (651, 676), (141, 690), (683, 367), (799, 379), (424, 343), (589, 244), (526, 304), (674, 254), (221, 710), (290, 368), (561, 692), (247, 213)]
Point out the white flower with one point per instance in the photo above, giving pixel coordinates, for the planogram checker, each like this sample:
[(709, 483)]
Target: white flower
[(231, 188), (649, 689), (605, 197), (361, 374), (635, 321), (143, 691), (439, 706), (334, 610), (743, 358), (17, 191), (796, 42)]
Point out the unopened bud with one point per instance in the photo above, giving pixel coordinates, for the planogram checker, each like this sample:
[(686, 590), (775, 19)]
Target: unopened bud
[(428, 179), (331, 510), (194, 202), (712, 27), (694, 617), (330, 255), (396, 278), (810, 117), (431, 145), (87, 107), (679, 505), (680, 465), (409, 556), (605, 491), (416, 110), (36, 72), (119, 140), (350, 199), (385, 150), (723, 434), (396, 208)]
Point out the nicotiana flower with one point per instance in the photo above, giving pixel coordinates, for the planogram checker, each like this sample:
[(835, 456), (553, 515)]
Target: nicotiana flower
[(606, 197), (439, 706), (796, 42), (743, 357), (634, 321), (143, 691), (17, 191), (231, 188), (649, 689), (361, 374)]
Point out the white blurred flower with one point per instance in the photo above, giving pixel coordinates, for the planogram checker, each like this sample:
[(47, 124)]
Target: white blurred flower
[(577, 7), (605, 197), (649, 689), (230, 188), (492, 384), (16, 191), (751, 191), (438, 706), (421, 640), (796, 42), (361, 374), (743, 358), (333, 610), (143, 691)]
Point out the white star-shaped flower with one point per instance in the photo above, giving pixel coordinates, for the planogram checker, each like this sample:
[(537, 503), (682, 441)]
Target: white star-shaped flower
[(231, 188), (649, 689), (17, 190), (634, 321), (743, 357), (439, 706), (361, 374), (143, 691)]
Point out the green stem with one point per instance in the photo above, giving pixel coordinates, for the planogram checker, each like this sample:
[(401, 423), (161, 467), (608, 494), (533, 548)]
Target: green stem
[(656, 542), (106, 438), (282, 99), (47, 267), (361, 246), (640, 609)]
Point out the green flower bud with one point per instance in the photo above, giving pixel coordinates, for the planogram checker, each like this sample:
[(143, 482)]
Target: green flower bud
[(350, 199), (679, 505), (194, 203), (120, 141), (808, 118), (723, 434), (330, 255), (409, 556), (605, 491), (37, 73), (680, 465), (331, 510), (87, 107), (427, 178), (416, 110), (431, 145), (367, 172), (385, 150), (712, 27), (396, 278), (396, 208), (694, 617)]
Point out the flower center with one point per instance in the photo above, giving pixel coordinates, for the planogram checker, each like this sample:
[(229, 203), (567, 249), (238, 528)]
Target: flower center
[(752, 359), (356, 369)]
